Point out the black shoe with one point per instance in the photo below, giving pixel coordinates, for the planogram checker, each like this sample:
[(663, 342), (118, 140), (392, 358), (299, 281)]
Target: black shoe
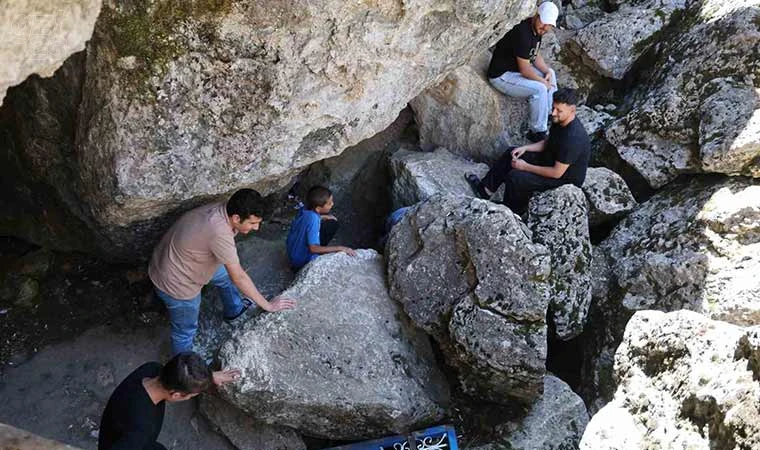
[(476, 185), (247, 303), (536, 136)]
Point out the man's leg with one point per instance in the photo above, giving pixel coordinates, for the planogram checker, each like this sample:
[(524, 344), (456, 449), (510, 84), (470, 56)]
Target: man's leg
[(327, 230), (515, 85), (521, 186), (231, 299), (550, 92), (497, 174), (183, 316)]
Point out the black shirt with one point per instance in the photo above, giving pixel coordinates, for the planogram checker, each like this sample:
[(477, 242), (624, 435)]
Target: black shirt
[(520, 42), (570, 145), (131, 421)]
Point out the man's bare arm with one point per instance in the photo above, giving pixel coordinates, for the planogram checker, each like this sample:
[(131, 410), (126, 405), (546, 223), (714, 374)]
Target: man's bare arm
[(541, 64), (556, 171), (526, 70), (248, 289)]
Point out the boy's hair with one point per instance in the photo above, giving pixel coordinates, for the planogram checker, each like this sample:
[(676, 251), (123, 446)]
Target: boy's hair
[(246, 203), (567, 96), (186, 373), (317, 196)]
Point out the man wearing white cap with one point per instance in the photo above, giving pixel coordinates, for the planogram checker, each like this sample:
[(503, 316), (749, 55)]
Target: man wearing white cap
[(518, 70)]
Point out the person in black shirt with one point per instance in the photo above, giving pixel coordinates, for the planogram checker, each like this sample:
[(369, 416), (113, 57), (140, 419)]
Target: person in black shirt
[(134, 414), (517, 68), (561, 159)]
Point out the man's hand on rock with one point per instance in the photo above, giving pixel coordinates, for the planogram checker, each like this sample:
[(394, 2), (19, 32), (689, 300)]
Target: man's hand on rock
[(348, 251), (519, 164), (223, 377), (281, 303), (518, 152)]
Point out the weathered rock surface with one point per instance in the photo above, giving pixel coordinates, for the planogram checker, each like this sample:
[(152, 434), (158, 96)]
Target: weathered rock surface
[(692, 246), (692, 115), (684, 382), (419, 175), (608, 196), (244, 432), (38, 36), (190, 101), (558, 219), (12, 438), (466, 272), (555, 422), (344, 364)]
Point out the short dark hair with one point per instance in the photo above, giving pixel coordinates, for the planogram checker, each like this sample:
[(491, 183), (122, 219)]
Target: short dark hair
[(317, 196), (246, 203), (186, 373), (567, 96)]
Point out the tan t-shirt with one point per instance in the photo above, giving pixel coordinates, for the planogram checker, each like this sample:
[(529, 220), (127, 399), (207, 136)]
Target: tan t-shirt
[(192, 250)]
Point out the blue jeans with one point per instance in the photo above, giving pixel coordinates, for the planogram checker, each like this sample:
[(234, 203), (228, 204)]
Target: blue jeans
[(183, 314), (539, 97)]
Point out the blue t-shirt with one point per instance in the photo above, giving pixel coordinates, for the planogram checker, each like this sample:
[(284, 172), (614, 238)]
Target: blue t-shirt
[(304, 231)]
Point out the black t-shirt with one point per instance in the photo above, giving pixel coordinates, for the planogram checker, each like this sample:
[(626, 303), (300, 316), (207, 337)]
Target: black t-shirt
[(131, 421), (521, 42), (570, 145)]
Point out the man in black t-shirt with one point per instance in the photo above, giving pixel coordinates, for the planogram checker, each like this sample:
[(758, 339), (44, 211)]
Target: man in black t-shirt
[(561, 159), (134, 414), (517, 68)]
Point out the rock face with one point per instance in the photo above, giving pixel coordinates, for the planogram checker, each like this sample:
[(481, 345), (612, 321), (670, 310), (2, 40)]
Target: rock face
[(559, 221), (344, 364), (466, 272), (555, 422), (684, 382), (692, 115), (38, 36), (419, 175), (188, 101), (244, 432), (16, 439), (692, 246), (608, 196)]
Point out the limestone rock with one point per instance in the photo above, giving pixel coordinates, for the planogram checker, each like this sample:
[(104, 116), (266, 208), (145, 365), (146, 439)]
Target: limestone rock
[(608, 196), (466, 272), (554, 422), (17, 439), (248, 93), (344, 364), (419, 175), (244, 432), (612, 44), (677, 122), (38, 36), (558, 219), (685, 381), (692, 246), (594, 121)]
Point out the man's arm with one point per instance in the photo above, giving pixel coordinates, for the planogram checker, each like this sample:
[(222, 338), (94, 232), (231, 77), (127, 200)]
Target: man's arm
[(246, 286), (321, 250), (556, 171), (541, 65), (526, 70), (535, 147)]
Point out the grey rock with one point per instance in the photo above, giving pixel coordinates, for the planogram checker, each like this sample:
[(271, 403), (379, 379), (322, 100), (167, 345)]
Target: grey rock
[(344, 364), (244, 432), (558, 219), (685, 381), (419, 175), (39, 36), (556, 421), (594, 121), (466, 272), (679, 109), (608, 196), (19, 439)]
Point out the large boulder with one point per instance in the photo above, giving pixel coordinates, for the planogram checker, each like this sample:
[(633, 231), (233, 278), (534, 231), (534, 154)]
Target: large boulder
[(556, 421), (698, 109), (345, 364), (467, 272), (558, 219), (692, 246), (685, 381), (608, 196), (191, 100), (17, 439), (419, 175), (38, 36)]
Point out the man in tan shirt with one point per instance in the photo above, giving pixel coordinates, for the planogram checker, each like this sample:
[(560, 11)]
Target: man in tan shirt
[(200, 249)]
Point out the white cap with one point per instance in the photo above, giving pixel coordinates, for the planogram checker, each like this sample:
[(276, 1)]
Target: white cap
[(548, 13)]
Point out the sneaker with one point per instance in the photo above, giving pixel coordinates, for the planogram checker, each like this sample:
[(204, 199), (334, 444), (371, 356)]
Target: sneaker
[(476, 185), (247, 303), (536, 136)]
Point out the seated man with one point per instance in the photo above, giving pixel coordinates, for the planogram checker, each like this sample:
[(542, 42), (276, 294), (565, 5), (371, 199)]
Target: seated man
[(517, 68), (561, 159), (313, 228), (134, 414)]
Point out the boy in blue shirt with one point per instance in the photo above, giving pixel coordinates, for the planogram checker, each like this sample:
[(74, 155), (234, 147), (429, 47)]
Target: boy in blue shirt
[(313, 228)]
